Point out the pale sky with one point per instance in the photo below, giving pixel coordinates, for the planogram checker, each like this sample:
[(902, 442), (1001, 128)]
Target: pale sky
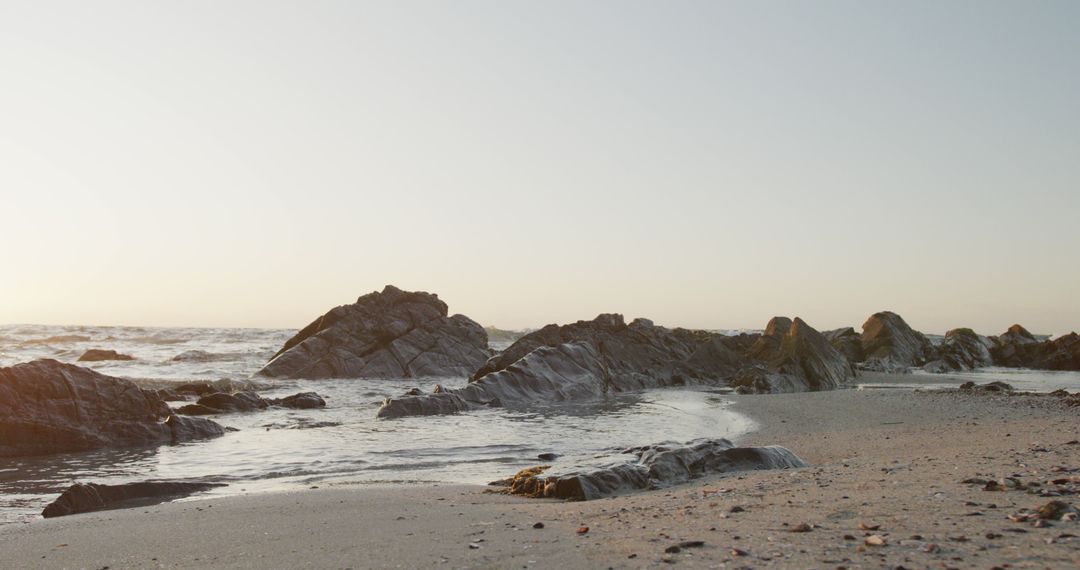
[(704, 164)]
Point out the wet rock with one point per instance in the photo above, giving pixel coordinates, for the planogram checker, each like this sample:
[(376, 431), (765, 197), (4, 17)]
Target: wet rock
[(890, 345), (847, 342), (388, 334), (995, 386), (798, 359), (301, 401), (651, 467), (99, 355), (51, 407), (548, 456), (87, 497), (962, 350)]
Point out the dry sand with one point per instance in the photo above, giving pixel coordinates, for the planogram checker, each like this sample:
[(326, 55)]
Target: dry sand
[(879, 457)]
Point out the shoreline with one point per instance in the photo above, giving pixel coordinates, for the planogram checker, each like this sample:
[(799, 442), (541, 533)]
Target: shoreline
[(894, 458)]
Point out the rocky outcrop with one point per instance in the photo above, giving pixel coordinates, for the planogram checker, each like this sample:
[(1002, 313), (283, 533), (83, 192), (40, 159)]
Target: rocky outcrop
[(99, 355), (579, 362), (847, 342), (88, 497), (223, 403), (1014, 348), (890, 345), (388, 334), (1062, 353), (962, 350), (796, 358), (51, 407), (651, 467)]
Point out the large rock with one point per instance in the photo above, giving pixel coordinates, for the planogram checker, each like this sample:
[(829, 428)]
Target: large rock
[(847, 342), (651, 467), (962, 350), (99, 355), (580, 362), (796, 358), (890, 345), (1015, 348), (1062, 353), (392, 334), (223, 402), (88, 497), (51, 407)]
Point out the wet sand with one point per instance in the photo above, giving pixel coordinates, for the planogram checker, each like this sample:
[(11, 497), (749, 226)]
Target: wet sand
[(879, 457)]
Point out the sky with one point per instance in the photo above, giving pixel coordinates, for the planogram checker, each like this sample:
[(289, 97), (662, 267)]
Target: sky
[(703, 164)]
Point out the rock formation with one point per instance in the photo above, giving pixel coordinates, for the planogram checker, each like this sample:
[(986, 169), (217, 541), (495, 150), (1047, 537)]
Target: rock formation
[(890, 345), (1014, 348), (224, 402), (796, 358), (392, 334), (962, 350), (1062, 353), (87, 497), (847, 342), (98, 355), (51, 407), (651, 467)]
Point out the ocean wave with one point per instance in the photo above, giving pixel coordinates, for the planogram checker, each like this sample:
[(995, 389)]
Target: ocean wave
[(57, 339), (204, 356)]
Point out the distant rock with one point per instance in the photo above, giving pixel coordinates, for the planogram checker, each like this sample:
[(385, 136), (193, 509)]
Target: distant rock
[(502, 335), (651, 467), (88, 497), (223, 403), (890, 345), (996, 386), (392, 334), (1062, 353), (99, 355), (1015, 348), (578, 362), (847, 342), (962, 350), (51, 407), (796, 358)]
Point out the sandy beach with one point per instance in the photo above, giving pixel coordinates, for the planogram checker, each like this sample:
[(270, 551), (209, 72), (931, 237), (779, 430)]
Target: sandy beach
[(893, 460)]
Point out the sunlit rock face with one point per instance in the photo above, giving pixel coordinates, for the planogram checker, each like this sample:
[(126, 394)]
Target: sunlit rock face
[(794, 357), (388, 334), (890, 345), (650, 467), (961, 350), (51, 407)]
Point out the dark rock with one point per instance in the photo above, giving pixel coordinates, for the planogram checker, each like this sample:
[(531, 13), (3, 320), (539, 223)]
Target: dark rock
[(548, 456), (99, 355), (1015, 348), (51, 407), (87, 497), (392, 334), (1062, 353), (652, 467), (995, 386), (961, 351), (301, 401), (847, 342), (890, 345), (798, 359)]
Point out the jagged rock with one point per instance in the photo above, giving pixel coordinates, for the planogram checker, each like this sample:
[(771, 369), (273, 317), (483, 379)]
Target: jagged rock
[(961, 350), (51, 407), (797, 359), (223, 402), (392, 334), (579, 362), (890, 345), (98, 355), (847, 342), (1015, 348), (301, 401), (651, 467), (87, 497), (1062, 353)]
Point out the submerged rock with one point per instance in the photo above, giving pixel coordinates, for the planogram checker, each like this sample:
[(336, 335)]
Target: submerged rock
[(651, 467), (87, 497), (890, 345), (99, 355), (51, 407), (961, 350), (221, 403), (797, 359), (392, 334), (301, 401)]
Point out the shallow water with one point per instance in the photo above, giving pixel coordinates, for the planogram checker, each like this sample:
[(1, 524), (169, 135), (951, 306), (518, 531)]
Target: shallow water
[(278, 448)]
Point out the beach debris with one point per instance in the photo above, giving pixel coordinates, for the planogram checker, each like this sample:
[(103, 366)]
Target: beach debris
[(874, 540)]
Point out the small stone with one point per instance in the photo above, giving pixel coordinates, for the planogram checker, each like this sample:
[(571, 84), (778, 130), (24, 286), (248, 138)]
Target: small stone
[(874, 540), (538, 525), (736, 509), (801, 528), (868, 526), (582, 530)]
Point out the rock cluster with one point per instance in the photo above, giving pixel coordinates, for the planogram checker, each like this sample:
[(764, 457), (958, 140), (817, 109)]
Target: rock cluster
[(225, 402), (51, 407), (651, 467), (796, 358), (962, 350), (388, 334)]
